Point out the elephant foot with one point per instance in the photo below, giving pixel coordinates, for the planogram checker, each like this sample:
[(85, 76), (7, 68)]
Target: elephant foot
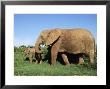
[(65, 59), (53, 63), (40, 62), (36, 62), (81, 61), (91, 57), (53, 60), (67, 65), (91, 62), (30, 62)]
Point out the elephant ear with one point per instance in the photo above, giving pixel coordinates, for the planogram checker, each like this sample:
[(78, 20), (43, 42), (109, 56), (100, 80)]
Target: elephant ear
[(53, 35)]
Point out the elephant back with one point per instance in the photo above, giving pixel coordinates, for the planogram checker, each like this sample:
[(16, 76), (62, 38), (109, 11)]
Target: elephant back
[(77, 41)]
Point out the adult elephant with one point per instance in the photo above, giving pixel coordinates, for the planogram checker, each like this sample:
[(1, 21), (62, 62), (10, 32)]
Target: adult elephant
[(73, 41)]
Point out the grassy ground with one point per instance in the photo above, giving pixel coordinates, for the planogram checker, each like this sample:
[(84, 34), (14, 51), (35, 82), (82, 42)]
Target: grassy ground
[(23, 68)]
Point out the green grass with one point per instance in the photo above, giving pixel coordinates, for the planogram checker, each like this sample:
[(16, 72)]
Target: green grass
[(23, 68)]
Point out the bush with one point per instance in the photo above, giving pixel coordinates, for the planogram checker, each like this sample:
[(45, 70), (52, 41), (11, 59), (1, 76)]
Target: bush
[(44, 52)]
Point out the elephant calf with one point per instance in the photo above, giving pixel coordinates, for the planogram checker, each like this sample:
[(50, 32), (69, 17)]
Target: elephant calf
[(30, 54)]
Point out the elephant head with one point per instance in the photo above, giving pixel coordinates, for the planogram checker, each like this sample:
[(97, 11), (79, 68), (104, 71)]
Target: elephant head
[(52, 36), (40, 46), (28, 51)]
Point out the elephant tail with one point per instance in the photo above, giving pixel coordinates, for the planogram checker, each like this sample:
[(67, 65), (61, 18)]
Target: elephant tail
[(95, 49)]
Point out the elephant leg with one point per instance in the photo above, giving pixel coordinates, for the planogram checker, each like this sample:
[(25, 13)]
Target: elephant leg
[(65, 59), (36, 61), (40, 58), (53, 57), (81, 61), (40, 62), (91, 57), (30, 60), (37, 58), (54, 52)]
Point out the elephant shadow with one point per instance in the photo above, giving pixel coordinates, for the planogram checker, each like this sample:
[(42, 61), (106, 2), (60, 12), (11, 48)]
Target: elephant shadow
[(72, 58), (27, 59)]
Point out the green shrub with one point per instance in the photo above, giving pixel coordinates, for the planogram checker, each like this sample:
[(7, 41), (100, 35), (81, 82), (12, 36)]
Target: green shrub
[(44, 52)]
